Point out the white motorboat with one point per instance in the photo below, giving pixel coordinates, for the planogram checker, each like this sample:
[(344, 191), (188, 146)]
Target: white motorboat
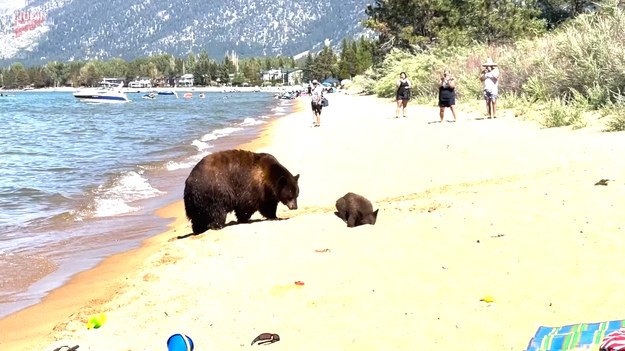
[(104, 93)]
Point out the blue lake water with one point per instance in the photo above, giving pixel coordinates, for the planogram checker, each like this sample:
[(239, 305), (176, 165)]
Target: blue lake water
[(79, 181)]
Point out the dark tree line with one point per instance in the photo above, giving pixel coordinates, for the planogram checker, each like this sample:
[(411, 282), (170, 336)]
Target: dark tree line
[(418, 24), (206, 71), (355, 57)]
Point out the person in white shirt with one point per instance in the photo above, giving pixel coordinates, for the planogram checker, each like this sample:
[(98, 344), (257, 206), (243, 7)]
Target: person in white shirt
[(490, 75), (316, 95)]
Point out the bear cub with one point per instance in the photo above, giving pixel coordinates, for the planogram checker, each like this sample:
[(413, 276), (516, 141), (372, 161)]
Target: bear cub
[(355, 210), (239, 181)]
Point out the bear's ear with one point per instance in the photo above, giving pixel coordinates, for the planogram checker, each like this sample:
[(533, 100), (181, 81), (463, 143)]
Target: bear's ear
[(296, 177), (375, 213)]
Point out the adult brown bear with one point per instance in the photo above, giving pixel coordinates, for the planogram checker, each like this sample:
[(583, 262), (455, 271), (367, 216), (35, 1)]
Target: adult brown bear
[(239, 181)]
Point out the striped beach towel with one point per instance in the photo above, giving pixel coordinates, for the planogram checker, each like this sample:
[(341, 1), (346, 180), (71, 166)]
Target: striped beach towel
[(575, 336), (615, 341)]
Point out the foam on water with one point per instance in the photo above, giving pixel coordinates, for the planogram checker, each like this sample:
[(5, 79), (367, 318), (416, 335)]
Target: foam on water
[(113, 198), (190, 162), (220, 133), (200, 145), (250, 122)]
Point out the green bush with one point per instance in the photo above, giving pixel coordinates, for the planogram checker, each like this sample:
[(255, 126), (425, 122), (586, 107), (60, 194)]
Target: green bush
[(561, 114), (617, 122)]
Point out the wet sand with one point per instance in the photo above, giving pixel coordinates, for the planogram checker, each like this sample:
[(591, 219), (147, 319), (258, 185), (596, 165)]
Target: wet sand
[(470, 209)]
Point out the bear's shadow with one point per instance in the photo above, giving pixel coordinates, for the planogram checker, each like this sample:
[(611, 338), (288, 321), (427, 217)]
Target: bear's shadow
[(231, 223)]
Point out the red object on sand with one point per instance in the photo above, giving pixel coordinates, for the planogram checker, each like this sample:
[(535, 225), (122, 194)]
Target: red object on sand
[(299, 283)]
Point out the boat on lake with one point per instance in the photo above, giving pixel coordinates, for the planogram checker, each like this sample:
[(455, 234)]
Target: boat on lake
[(166, 92), (103, 93)]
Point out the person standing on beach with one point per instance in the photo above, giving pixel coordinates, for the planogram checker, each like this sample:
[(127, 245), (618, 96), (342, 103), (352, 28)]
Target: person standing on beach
[(403, 94), (489, 77), (316, 95), (447, 94)]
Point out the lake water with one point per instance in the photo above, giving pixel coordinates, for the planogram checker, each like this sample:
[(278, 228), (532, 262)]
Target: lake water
[(79, 181)]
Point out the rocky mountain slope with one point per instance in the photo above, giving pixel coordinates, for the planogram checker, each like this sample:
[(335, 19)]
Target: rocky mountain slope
[(38, 31)]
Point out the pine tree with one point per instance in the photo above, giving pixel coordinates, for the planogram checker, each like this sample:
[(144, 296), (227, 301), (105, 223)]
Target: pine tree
[(308, 74)]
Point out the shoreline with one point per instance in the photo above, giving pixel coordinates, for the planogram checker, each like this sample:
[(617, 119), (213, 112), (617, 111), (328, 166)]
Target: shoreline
[(224, 89), (98, 282), (143, 220), (467, 209)]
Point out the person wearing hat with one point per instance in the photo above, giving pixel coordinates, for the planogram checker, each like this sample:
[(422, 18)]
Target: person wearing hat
[(316, 95), (489, 77)]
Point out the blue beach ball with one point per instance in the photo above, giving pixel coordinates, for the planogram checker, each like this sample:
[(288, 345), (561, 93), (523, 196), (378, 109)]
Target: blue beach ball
[(179, 342)]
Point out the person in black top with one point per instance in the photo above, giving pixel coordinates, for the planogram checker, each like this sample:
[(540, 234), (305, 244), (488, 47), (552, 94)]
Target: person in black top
[(447, 94), (403, 94)]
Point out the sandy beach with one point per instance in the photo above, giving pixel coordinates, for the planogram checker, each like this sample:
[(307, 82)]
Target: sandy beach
[(477, 208)]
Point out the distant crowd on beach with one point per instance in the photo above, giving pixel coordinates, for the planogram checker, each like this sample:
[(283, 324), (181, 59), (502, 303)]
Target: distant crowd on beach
[(447, 83)]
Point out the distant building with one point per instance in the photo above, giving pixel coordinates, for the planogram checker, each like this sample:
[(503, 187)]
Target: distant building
[(110, 82), (272, 75), (186, 80), (140, 82), (291, 76), (295, 76)]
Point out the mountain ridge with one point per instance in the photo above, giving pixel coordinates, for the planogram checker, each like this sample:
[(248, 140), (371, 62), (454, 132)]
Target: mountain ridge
[(80, 30)]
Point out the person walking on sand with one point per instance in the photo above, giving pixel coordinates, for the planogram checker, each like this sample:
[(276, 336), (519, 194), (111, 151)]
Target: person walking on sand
[(489, 77), (316, 95), (403, 94), (447, 94)]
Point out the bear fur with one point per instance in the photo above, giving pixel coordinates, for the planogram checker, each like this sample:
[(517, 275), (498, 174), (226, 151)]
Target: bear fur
[(239, 181), (355, 210)]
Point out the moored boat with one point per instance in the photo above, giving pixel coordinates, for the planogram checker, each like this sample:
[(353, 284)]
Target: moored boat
[(104, 93)]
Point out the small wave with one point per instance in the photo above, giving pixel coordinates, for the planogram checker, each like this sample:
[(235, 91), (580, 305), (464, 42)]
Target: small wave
[(279, 114), (113, 198), (264, 117), (188, 163), (112, 207), (278, 109), (200, 145), (250, 122), (220, 133)]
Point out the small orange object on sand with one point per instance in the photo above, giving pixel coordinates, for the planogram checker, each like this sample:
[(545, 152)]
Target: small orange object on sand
[(299, 283), (324, 250)]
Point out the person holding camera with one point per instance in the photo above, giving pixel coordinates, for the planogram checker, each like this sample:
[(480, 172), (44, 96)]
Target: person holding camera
[(403, 94), (447, 94), (489, 77)]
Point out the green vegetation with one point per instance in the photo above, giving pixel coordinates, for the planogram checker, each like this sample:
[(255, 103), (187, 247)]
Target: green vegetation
[(572, 75), (356, 57)]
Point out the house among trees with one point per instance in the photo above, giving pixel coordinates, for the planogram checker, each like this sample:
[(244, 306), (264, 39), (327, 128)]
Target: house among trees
[(110, 82), (140, 82), (272, 75), (294, 76), (285, 76), (186, 80)]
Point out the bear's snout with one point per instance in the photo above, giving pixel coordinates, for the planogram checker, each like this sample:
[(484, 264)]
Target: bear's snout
[(292, 205)]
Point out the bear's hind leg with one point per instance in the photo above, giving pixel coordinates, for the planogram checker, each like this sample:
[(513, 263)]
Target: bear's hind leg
[(268, 209), (243, 214), (217, 219), (199, 226)]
